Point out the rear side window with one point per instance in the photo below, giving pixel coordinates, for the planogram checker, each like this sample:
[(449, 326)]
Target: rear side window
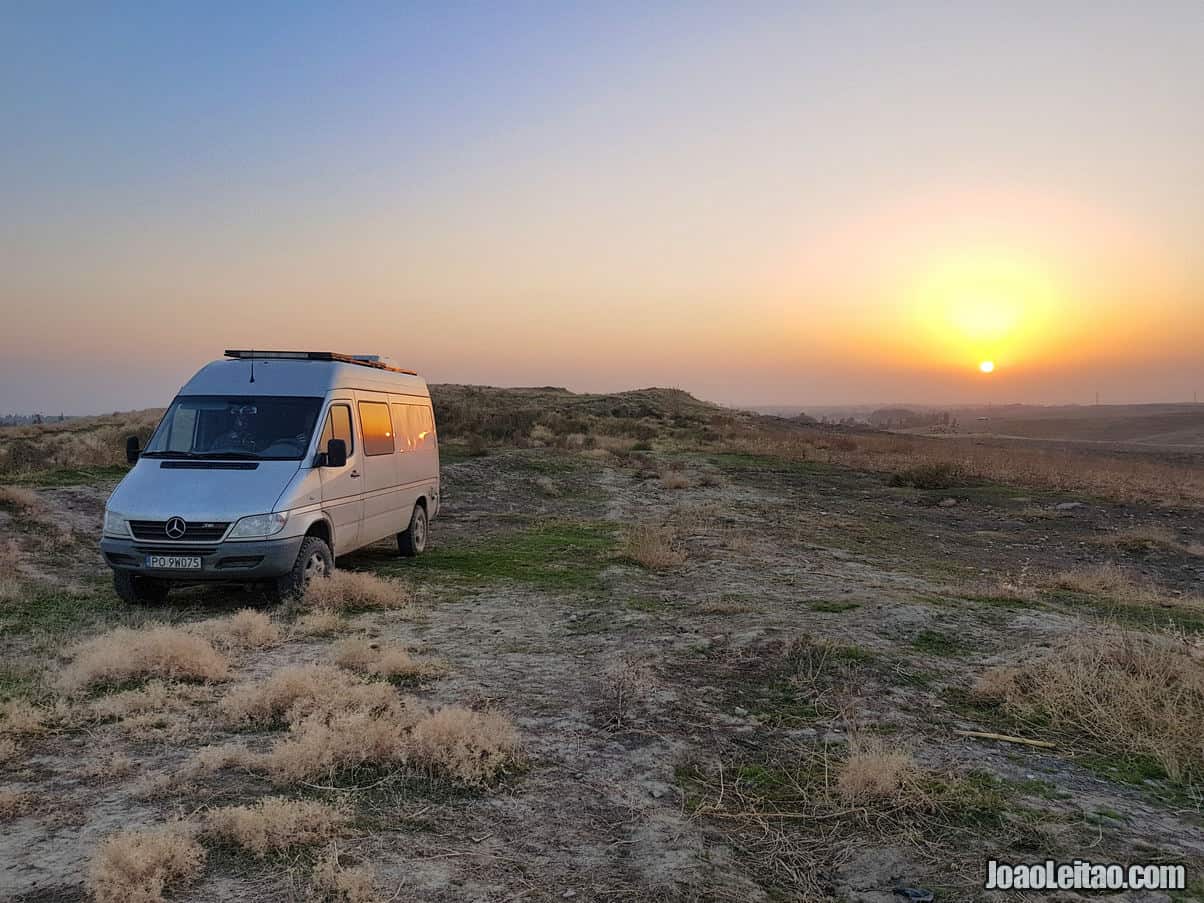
[(338, 426), (377, 428), (415, 427)]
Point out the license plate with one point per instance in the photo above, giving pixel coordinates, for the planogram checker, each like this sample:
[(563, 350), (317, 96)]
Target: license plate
[(174, 562)]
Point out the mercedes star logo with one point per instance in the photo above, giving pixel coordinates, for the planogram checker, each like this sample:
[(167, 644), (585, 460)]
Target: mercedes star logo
[(175, 528)]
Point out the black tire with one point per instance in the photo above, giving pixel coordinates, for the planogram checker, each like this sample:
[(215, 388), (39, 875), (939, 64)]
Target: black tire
[(313, 560), (412, 542), (133, 589)]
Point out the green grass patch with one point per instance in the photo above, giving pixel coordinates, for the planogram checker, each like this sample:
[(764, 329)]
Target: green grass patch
[(15, 683), (934, 642), (738, 461), (50, 611), (557, 556), (1142, 617)]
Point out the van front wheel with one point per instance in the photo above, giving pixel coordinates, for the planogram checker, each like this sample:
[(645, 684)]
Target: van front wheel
[(413, 541), (135, 590), (314, 561)]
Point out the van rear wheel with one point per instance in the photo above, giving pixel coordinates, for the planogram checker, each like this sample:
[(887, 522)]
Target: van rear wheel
[(314, 561), (133, 589), (412, 542)]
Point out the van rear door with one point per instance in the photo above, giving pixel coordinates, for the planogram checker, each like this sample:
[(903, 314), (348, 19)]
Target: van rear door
[(343, 487)]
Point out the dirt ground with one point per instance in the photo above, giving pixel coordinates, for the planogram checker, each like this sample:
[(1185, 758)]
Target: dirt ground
[(660, 711)]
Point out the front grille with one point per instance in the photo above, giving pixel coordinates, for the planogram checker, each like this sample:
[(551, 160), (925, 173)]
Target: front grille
[(201, 531)]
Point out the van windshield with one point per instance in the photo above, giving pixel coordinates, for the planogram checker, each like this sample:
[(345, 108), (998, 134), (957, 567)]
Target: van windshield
[(251, 427)]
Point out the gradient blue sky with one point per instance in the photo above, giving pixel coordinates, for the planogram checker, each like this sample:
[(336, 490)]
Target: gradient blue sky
[(758, 203)]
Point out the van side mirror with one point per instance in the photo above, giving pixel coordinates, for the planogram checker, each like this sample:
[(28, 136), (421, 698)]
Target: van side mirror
[(336, 453), (131, 449)]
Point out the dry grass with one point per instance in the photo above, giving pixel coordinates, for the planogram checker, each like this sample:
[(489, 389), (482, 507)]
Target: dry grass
[(333, 882), (245, 629), (21, 500), (356, 590), (653, 546), (156, 711), (390, 662), (1147, 540), (874, 771), (318, 624), (1120, 692), (81, 442), (295, 692), (323, 744), (336, 721), (152, 651), (548, 486), (1121, 586), (8, 750), (21, 718), (675, 479), (1131, 478), (274, 824), (137, 866), (10, 570), (14, 803), (466, 746)]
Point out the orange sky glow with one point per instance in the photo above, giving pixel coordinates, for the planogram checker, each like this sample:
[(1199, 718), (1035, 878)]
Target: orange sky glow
[(738, 207)]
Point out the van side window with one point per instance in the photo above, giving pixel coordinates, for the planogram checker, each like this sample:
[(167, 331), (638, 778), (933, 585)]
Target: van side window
[(338, 426), (377, 428)]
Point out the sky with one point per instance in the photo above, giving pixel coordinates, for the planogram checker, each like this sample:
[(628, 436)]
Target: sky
[(758, 203)]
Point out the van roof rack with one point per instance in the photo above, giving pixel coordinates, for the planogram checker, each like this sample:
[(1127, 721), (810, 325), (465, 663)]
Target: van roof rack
[(363, 360)]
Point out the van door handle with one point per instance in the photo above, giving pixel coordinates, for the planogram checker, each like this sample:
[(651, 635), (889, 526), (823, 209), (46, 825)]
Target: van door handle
[(354, 474)]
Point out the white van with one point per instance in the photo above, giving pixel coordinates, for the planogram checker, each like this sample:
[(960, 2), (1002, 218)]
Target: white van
[(269, 464)]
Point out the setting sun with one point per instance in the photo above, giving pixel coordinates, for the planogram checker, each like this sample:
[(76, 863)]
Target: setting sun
[(987, 366)]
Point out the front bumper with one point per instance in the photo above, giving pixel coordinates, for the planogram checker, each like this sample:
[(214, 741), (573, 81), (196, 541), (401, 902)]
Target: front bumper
[(231, 561)]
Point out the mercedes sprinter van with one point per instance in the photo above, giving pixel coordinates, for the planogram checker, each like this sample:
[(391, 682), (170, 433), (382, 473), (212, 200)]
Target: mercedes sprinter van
[(268, 465)]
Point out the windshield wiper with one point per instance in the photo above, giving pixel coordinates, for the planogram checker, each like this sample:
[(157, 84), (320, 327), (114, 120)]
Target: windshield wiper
[(169, 454)]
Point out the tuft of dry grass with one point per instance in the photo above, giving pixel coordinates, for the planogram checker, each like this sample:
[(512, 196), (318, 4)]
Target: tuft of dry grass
[(333, 882), (158, 710), (390, 662), (245, 629), (653, 546), (323, 744), (14, 803), (356, 590), (296, 692), (8, 750), (1147, 540), (1122, 692), (1121, 586), (466, 746), (548, 486), (874, 771), (675, 479), (152, 651), (274, 824), (20, 718), (138, 866), (319, 623), (336, 722), (20, 499), (10, 570)]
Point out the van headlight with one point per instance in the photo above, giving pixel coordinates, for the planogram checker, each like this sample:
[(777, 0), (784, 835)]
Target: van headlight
[(116, 524), (258, 526)]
